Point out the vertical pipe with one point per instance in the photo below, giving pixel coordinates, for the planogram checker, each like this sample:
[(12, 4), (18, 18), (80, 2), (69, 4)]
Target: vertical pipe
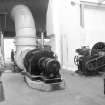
[(25, 32), (2, 48), (82, 15), (42, 40), (53, 26)]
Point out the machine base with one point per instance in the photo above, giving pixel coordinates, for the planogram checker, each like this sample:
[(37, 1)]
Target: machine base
[(42, 86)]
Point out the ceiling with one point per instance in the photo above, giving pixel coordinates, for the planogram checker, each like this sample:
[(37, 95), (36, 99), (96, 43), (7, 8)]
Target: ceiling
[(38, 8)]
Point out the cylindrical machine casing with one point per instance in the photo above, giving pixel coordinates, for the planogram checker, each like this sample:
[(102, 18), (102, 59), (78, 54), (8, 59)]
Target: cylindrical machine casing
[(41, 61), (25, 32), (50, 65)]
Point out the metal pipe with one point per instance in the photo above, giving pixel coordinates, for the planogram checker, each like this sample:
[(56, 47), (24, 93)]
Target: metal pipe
[(89, 4), (82, 15), (25, 32), (42, 40), (92, 4)]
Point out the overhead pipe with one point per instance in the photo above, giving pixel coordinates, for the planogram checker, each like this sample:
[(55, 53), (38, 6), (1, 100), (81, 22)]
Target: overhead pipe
[(25, 32)]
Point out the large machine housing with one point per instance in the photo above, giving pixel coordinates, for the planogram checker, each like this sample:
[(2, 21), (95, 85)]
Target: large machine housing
[(91, 61), (42, 64), (43, 70)]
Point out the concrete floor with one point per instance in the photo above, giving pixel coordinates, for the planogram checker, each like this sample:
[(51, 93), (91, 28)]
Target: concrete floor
[(80, 90)]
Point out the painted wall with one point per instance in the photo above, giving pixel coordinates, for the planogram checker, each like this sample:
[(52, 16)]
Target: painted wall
[(63, 20), (8, 45), (94, 23)]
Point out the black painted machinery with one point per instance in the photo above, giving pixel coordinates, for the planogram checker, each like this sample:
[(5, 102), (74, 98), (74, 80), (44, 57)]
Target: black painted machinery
[(91, 61), (43, 69), (43, 65)]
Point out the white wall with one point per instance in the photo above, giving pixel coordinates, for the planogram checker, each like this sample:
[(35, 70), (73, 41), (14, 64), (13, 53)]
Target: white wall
[(66, 19), (94, 20), (63, 20), (71, 33), (8, 45)]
